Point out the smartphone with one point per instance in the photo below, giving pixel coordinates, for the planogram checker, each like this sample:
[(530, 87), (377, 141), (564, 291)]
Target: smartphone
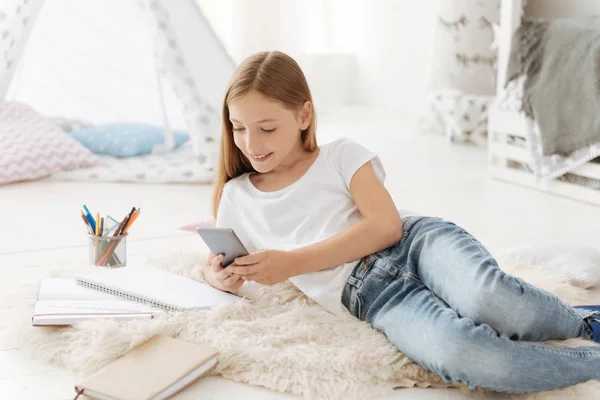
[(223, 241)]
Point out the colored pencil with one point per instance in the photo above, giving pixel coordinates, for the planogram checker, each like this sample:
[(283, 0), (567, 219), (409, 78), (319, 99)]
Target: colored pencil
[(121, 230)]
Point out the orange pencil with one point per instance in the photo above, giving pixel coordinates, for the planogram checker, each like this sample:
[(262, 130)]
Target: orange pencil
[(120, 227), (131, 221), (124, 226), (128, 219)]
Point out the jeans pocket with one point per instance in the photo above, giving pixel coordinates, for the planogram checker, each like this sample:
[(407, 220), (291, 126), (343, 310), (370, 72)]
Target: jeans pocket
[(357, 305), (352, 301), (364, 266), (383, 271), (407, 225)]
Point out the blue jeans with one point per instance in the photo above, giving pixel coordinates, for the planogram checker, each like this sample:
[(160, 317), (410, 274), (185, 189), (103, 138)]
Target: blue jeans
[(440, 298)]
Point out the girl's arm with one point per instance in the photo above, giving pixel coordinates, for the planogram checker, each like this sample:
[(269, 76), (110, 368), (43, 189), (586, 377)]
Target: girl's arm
[(380, 228)]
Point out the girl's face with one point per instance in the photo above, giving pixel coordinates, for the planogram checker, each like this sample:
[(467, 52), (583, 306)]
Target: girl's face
[(266, 132)]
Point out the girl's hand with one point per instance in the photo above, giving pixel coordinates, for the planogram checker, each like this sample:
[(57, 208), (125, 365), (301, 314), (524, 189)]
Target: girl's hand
[(267, 267), (221, 278)]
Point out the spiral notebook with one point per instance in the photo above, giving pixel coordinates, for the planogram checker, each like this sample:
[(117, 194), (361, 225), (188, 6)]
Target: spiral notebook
[(154, 286), (61, 301)]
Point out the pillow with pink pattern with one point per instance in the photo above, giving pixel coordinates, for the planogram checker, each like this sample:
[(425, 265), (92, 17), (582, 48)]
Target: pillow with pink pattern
[(32, 146)]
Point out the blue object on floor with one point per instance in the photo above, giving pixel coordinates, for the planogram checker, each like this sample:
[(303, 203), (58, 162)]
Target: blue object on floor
[(594, 321), (124, 139)]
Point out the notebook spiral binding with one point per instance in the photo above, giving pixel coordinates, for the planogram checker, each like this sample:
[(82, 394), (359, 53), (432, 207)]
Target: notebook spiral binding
[(129, 296)]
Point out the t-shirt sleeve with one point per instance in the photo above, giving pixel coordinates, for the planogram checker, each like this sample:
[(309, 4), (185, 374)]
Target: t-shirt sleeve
[(348, 156), (227, 214)]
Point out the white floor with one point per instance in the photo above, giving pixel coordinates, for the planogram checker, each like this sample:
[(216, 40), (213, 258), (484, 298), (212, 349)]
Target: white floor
[(40, 228)]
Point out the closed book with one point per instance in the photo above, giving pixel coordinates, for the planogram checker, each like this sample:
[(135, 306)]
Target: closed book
[(155, 370)]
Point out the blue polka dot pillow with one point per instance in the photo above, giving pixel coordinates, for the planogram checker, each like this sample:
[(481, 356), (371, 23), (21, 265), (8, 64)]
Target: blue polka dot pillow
[(124, 139)]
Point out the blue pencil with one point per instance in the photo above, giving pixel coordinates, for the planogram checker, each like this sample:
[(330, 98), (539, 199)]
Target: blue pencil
[(90, 219)]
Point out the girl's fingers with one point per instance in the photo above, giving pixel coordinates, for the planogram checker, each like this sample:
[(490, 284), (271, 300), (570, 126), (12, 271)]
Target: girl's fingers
[(216, 261), (222, 275), (236, 286), (231, 279)]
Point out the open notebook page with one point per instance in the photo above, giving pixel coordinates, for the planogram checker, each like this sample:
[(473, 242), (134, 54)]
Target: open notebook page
[(153, 285), (61, 301)]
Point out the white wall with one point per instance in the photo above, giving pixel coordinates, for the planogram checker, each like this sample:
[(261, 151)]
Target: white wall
[(393, 45), (391, 39), (219, 13)]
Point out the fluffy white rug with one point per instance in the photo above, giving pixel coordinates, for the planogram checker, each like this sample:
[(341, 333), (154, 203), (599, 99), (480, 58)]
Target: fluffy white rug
[(280, 340)]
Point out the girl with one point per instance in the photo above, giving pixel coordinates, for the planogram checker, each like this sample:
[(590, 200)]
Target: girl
[(321, 217)]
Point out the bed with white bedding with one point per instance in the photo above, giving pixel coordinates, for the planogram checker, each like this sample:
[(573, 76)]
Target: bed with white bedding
[(558, 154)]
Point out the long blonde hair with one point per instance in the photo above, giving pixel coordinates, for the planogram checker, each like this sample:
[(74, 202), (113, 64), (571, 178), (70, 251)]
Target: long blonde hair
[(272, 74)]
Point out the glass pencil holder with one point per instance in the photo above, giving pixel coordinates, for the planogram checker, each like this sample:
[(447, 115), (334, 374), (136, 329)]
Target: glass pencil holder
[(108, 251)]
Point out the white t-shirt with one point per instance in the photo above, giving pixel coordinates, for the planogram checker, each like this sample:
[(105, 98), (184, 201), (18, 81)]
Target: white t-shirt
[(318, 205)]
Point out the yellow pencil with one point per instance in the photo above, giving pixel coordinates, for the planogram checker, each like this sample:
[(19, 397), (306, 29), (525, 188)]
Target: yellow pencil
[(96, 244)]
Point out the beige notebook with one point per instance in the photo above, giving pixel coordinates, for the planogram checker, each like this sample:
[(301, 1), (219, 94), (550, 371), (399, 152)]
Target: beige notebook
[(155, 370)]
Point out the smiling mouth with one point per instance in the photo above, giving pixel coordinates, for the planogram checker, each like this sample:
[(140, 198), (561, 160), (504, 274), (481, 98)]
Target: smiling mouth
[(261, 157)]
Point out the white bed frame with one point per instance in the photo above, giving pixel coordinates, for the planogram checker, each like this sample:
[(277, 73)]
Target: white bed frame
[(503, 122)]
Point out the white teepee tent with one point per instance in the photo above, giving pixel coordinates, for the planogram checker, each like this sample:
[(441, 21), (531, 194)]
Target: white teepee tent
[(148, 61)]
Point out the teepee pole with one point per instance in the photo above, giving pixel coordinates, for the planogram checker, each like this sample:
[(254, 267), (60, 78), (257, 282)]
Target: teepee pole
[(26, 18), (169, 142)]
